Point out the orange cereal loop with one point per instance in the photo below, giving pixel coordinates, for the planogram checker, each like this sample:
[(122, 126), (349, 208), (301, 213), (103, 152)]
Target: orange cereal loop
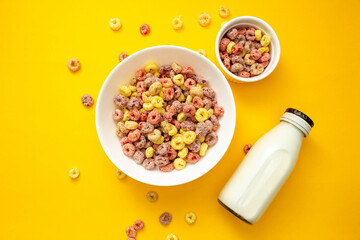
[(74, 65), (115, 24), (204, 19)]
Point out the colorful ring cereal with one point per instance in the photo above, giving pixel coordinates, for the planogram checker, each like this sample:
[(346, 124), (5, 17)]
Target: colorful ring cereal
[(131, 231), (114, 24), (204, 19), (144, 29), (122, 56), (74, 65), (165, 218), (193, 158), (129, 149), (152, 196)]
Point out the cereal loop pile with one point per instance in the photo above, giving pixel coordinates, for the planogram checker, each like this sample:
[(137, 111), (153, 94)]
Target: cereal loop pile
[(166, 117), (245, 51)]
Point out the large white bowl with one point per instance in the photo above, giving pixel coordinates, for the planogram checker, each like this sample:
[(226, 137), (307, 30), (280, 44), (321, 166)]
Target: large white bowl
[(257, 23), (122, 73)]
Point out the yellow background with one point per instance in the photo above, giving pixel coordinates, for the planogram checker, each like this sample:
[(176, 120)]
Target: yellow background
[(45, 131)]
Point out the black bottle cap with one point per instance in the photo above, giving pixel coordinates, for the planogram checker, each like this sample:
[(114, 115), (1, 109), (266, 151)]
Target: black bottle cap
[(301, 114)]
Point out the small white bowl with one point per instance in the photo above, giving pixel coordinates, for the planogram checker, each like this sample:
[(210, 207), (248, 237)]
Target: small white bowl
[(121, 75), (247, 21)]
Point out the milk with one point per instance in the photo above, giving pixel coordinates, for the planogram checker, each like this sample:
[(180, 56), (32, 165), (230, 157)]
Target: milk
[(266, 167)]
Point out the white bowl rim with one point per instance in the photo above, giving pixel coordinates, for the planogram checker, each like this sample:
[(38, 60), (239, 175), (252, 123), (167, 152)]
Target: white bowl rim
[(235, 21), (202, 171)]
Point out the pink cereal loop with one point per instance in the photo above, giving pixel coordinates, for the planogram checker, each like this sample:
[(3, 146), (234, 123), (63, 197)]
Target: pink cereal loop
[(167, 168), (154, 117), (117, 115), (134, 135)]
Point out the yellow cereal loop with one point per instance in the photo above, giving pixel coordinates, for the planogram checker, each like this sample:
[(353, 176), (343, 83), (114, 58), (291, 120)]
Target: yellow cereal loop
[(131, 125), (173, 130), (189, 99), (125, 90), (202, 52), (189, 137), (166, 126), (146, 97), (202, 139), (223, 23), (141, 110), (177, 23), (151, 67), (265, 40), (177, 142), (200, 85), (178, 79), (157, 74), (183, 87), (126, 115), (171, 236), (181, 131), (148, 106), (157, 101), (160, 141), (196, 91), (160, 110), (224, 11), (149, 152), (176, 67), (258, 35), (132, 88), (203, 149), (115, 24), (179, 164), (210, 112), (264, 50), (181, 98), (134, 95), (181, 117), (190, 217), (154, 135), (183, 153), (230, 47), (74, 173), (243, 53), (120, 175), (201, 115), (204, 19), (155, 88), (161, 94)]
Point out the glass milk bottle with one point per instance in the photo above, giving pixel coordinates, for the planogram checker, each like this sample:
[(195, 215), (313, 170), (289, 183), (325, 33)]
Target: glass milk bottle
[(266, 167)]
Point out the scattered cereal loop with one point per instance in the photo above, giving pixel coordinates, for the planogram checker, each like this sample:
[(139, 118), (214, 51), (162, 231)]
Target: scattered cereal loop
[(120, 175), (247, 148), (74, 173), (144, 29), (152, 196), (74, 65), (138, 225), (171, 236), (165, 218), (224, 11), (87, 100), (190, 217), (115, 24), (177, 23), (204, 19), (122, 56)]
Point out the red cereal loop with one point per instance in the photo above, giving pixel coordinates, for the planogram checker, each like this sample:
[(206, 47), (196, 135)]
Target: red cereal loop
[(238, 48), (167, 116), (169, 94), (218, 111), (117, 115), (171, 109), (171, 154), (250, 34), (131, 232), (265, 57), (247, 148), (128, 149), (143, 116), (189, 110), (154, 117), (134, 135), (124, 141), (187, 70), (242, 31), (176, 123), (155, 146), (223, 44), (167, 168), (87, 100), (265, 64), (138, 225), (255, 54), (144, 29), (227, 62), (192, 157), (198, 102), (134, 114), (189, 83), (140, 74), (244, 74), (223, 55)]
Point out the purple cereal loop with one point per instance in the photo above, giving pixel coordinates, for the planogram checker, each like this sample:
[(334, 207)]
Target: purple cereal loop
[(149, 164), (236, 59), (161, 161), (187, 125), (139, 157), (163, 149), (120, 100), (207, 103), (165, 69), (194, 146), (178, 105), (141, 142), (211, 139), (147, 128), (133, 102), (232, 33), (209, 92)]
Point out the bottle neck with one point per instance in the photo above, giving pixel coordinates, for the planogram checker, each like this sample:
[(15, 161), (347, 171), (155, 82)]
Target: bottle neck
[(296, 121)]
